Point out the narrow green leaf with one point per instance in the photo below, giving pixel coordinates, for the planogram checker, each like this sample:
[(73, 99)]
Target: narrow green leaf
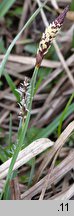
[(12, 86), (2, 65), (10, 131), (53, 126), (63, 114), (3, 156), (32, 171), (72, 6), (5, 6)]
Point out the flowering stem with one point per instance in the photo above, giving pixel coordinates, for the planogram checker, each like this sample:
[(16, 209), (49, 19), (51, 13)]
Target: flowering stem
[(47, 38), (22, 133)]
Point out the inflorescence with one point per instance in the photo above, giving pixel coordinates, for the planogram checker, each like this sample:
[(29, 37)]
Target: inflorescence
[(46, 40), (23, 91), (48, 36)]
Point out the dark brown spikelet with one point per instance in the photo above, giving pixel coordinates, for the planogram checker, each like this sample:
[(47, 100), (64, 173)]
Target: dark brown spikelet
[(61, 17), (23, 91), (50, 33)]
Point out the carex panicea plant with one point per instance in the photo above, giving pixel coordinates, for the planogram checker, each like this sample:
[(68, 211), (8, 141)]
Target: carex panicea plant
[(26, 89)]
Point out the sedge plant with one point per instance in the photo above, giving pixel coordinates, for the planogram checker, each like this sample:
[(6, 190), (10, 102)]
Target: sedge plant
[(45, 43)]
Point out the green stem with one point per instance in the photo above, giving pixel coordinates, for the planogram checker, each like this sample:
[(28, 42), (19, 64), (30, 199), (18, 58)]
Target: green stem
[(22, 134)]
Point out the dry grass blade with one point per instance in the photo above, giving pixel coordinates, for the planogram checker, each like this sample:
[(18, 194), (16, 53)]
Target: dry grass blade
[(68, 72), (14, 189), (57, 174), (55, 73), (26, 154), (3, 117), (49, 98), (49, 175), (22, 20), (58, 144), (66, 195), (32, 61)]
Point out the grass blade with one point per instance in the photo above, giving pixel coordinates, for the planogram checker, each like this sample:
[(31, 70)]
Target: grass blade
[(63, 114), (51, 127), (12, 86), (2, 65), (5, 6)]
